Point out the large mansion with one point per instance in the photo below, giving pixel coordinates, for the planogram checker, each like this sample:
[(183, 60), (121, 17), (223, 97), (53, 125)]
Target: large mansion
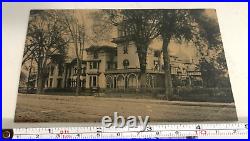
[(118, 68)]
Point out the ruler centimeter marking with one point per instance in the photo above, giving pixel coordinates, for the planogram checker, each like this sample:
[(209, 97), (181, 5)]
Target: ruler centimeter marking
[(151, 131)]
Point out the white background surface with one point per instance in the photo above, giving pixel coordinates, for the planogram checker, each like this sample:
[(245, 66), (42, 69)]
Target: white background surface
[(233, 20)]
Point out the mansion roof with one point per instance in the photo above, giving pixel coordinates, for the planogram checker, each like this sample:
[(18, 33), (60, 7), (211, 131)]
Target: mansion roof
[(99, 48), (121, 39)]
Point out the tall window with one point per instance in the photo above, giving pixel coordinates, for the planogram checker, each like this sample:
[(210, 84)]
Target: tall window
[(59, 82), (51, 70), (93, 65), (50, 82), (93, 81), (81, 83), (60, 70)]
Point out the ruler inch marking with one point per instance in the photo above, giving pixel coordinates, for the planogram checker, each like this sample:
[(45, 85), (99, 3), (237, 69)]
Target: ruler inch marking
[(152, 131)]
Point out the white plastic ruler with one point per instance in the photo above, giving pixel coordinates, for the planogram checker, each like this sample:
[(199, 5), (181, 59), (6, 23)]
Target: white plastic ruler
[(225, 130)]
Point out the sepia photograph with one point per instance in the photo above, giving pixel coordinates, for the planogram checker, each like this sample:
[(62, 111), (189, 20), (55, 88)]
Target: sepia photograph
[(81, 65)]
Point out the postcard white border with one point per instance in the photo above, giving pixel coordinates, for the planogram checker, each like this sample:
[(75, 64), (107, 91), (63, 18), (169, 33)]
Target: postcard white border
[(233, 20)]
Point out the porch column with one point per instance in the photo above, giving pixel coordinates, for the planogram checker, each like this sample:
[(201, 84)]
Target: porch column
[(124, 80), (115, 80), (153, 81), (137, 83)]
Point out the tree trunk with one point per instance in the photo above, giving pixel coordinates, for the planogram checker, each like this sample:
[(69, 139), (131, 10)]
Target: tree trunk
[(143, 75), (78, 84), (142, 54), (168, 80), (40, 86), (40, 81), (30, 69), (40, 76)]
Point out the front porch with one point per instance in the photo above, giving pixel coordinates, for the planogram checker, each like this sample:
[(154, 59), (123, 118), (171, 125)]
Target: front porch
[(129, 80)]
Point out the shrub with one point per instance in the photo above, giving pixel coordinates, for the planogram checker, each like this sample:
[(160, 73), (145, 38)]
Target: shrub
[(204, 94)]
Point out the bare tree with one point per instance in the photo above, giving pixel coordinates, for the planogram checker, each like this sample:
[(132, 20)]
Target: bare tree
[(102, 28), (75, 25), (45, 37)]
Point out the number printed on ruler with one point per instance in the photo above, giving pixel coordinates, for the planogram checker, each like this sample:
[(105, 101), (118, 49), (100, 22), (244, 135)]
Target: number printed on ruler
[(151, 131)]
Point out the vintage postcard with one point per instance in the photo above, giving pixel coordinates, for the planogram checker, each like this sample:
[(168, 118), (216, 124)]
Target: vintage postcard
[(164, 64)]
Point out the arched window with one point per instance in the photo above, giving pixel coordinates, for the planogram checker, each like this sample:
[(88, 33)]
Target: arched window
[(109, 81), (132, 81), (149, 81), (120, 81), (125, 63)]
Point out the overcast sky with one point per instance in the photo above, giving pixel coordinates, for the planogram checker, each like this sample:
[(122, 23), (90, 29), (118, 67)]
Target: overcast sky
[(184, 50)]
